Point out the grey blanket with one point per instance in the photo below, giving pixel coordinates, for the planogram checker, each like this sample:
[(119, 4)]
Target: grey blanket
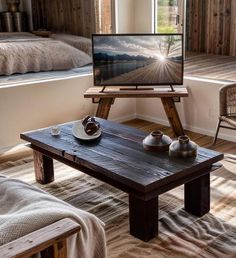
[(24, 209)]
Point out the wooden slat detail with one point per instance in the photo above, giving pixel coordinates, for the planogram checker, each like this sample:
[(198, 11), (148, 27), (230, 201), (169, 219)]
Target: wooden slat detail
[(211, 26), (60, 249), (233, 29), (52, 235)]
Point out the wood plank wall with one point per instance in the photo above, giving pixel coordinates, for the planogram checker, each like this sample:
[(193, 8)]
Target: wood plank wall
[(78, 17), (233, 29), (211, 26)]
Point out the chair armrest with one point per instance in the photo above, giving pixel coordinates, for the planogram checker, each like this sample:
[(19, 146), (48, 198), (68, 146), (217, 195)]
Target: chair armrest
[(40, 240)]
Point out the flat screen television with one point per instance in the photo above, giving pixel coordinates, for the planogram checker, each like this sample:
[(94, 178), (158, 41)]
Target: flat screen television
[(137, 59)]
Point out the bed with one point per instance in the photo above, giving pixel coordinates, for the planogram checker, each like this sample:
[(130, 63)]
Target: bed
[(25, 52)]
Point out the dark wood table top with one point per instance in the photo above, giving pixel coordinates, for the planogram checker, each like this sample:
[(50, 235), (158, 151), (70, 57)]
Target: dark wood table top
[(119, 155)]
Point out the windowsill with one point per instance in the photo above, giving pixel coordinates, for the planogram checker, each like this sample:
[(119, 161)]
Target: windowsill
[(210, 67), (43, 77), (202, 79)]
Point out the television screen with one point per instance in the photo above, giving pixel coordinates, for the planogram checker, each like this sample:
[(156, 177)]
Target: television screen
[(138, 59)]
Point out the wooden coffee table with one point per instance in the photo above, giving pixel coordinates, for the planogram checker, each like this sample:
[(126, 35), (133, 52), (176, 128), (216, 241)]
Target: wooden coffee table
[(119, 159)]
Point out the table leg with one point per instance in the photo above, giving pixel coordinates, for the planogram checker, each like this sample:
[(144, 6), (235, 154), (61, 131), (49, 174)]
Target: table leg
[(104, 107), (143, 218), (43, 166), (197, 196), (173, 116)]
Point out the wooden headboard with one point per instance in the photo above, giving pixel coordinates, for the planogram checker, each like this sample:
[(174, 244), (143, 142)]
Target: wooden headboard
[(70, 16)]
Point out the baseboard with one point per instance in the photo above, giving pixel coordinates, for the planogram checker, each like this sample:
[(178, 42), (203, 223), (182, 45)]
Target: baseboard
[(124, 118), (153, 119), (204, 131)]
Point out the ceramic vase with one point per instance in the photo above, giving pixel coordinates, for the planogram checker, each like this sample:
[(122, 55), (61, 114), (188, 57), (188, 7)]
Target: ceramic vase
[(157, 141), (183, 148)]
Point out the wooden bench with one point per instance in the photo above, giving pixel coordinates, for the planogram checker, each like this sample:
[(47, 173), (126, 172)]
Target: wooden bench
[(49, 241), (105, 99)]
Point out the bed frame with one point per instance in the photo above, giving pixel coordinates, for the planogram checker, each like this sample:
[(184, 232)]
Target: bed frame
[(49, 241)]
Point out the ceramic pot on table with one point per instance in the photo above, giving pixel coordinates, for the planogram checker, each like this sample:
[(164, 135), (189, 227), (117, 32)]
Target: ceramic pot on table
[(157, 141), (183, 148)]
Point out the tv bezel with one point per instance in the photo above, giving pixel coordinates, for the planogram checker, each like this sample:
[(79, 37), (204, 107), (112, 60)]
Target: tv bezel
[(138, 34)]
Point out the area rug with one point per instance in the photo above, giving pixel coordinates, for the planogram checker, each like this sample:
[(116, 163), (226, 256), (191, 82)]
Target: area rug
[(180, 234)]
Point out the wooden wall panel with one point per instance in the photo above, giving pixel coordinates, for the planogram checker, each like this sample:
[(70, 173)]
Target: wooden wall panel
[(79, 17), (196, 28), (106, 21), (233, 30), (211, 26)]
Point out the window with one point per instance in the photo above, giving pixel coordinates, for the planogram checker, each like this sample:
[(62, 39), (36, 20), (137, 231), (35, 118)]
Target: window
[(169, 16)]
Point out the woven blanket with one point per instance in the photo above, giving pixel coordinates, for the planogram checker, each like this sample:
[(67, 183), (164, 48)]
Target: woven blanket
[(181, 235), (24, 209), (22, 55)]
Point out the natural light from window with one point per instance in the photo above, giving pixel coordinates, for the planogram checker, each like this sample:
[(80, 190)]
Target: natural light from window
[(168, 16)]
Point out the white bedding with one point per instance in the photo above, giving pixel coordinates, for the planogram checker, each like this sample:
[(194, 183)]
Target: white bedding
[(25, 52), (24, 209)]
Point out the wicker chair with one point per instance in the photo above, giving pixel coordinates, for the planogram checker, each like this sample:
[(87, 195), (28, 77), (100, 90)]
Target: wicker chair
[(227, 118)]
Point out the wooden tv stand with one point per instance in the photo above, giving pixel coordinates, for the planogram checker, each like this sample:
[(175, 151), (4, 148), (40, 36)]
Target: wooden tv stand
[(106, 98)]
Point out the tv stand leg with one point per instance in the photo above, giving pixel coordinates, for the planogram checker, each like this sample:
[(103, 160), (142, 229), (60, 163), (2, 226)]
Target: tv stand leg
[(173, 116), (104, 107)]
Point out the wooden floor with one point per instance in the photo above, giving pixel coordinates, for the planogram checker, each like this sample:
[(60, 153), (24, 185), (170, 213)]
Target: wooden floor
[(202, 140), (214, 67)]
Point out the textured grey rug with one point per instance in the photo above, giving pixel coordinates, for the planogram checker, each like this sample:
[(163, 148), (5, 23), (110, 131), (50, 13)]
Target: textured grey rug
[(181, 235)]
